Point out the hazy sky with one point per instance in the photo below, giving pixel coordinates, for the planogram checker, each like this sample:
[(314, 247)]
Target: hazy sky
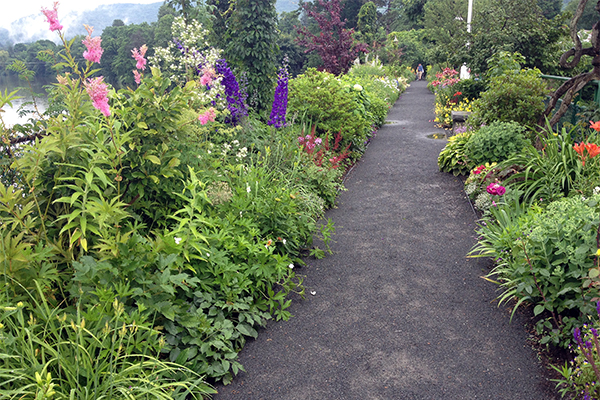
[(15, 9)]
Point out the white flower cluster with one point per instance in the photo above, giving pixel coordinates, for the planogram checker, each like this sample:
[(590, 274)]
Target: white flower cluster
[(181, 64), (234, 148)]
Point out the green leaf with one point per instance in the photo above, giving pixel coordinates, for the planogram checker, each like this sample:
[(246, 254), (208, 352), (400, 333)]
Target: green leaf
[(247, 330), (152, 159)]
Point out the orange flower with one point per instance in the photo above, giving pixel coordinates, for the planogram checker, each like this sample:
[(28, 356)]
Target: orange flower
[(592, 148), (580, 148), (595, 126)]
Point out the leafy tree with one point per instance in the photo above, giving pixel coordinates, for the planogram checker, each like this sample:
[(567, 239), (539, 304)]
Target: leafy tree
[(445, 24), (569, 60), (367, 22), (252, 47), (406, 48), (334, 44), (117, 64), (589, 16), (498, 25), (414, 11), (189, 9), (550, 8), (288, 47)]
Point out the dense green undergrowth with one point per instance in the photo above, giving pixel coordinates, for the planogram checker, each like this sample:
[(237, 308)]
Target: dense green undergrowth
[(148, 234)]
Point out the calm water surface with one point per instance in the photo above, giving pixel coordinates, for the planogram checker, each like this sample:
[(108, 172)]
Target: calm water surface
[(10, 114)]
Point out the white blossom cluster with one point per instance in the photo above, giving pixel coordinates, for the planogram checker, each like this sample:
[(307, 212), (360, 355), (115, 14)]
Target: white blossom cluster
[(181, 66)]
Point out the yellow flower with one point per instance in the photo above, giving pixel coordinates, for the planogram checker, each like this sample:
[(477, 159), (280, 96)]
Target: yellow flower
[(598, 252)]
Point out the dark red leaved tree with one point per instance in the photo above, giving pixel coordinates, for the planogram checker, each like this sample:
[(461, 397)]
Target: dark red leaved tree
[(334, 44)]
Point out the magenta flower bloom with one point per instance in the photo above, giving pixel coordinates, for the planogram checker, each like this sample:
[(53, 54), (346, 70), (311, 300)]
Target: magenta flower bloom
[(496, 189), (94, 51), (139, 57), (98, 92), (209, 115), (52, 17), (137, 76)]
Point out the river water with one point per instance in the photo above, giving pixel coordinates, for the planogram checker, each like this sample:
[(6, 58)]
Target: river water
[(10, 116)]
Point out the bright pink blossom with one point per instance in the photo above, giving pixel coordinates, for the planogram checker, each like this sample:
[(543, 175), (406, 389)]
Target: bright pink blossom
[(137, 76), (208, 74), (52, 17), (495, 189), (94, 51), (98, 92), (139, 57), (209, 115)]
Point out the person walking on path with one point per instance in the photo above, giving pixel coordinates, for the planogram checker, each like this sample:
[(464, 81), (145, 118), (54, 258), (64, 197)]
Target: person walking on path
[(397, 312), (420, 72)]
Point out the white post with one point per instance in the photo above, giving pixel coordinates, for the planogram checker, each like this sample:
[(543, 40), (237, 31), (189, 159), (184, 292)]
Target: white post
[(464, 70), (469, 16)]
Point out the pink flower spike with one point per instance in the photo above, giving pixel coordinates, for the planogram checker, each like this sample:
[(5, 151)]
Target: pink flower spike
[(137, 76), (94, 51), (209, 115), (52, 17), (139, 57), (98, 92)]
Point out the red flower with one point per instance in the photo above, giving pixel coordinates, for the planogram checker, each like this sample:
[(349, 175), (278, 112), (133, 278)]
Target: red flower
[(591, 149), (457, 94), (595, 125)]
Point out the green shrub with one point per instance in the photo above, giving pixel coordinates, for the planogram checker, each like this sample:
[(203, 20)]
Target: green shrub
[(453, 157), (345, 111), (548, 174), (542, 257), (517, 97), (470, 88), (495, 142)]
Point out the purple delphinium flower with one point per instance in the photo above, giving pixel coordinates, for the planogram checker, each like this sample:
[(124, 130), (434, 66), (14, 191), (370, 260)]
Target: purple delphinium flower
[(235, 103), (280, 100), (577, 336)]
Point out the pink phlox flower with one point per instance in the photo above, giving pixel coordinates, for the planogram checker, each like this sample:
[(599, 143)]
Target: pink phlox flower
[(137, 76), (208, 115), (479, 169), (94, 51), (98, 92), (318, 141), (52, 17), (301, 139), (139, 57)]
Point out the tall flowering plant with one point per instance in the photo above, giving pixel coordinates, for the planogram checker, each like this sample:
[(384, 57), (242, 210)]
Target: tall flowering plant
[(277, 117), (588, 172)]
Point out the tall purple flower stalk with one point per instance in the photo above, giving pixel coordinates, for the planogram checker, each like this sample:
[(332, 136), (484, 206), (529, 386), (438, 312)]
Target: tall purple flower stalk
[(235, 102), (280, 100)]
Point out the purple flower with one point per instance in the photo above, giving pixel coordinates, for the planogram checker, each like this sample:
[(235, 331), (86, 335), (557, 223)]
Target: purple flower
[(235, 102), (598, 308), (279, 109), (577, 336)]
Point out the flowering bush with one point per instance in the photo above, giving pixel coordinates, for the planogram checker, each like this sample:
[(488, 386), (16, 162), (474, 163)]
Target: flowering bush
[(447, 77), (483, 186)]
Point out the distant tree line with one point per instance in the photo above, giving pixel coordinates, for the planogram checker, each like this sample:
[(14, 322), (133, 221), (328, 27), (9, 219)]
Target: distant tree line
[(256, 40)]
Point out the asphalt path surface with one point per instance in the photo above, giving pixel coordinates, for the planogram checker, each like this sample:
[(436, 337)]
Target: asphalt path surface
[(399, 312)]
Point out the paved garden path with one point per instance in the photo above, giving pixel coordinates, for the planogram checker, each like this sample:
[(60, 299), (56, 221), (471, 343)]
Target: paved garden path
[(399, 311)]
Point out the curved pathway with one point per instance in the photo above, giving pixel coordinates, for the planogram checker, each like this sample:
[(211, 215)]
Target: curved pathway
[(399, 311)]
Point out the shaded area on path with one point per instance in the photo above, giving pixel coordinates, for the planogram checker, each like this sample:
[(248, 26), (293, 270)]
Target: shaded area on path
[(399, 311)]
